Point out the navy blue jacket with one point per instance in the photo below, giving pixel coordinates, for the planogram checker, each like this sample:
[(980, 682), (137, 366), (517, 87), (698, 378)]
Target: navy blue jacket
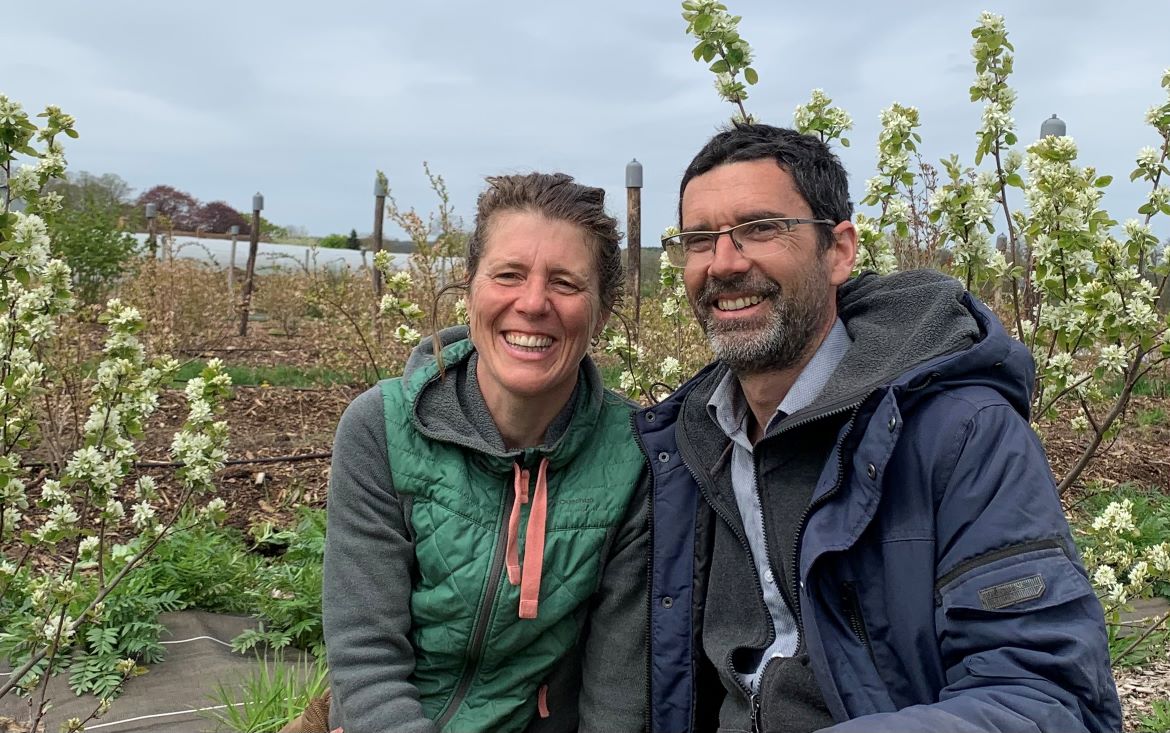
[(970, 610)]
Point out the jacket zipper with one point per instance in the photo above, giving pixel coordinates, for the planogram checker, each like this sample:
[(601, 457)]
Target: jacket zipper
[(794, 602), (989, 557), (483, 618), (647, 711), (753, 698), (851, 599)]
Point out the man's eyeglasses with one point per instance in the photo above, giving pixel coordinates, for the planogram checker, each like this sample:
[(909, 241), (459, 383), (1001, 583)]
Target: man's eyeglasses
[(753, 238)]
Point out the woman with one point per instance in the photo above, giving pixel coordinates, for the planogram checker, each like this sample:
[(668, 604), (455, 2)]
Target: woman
[(485, 562)]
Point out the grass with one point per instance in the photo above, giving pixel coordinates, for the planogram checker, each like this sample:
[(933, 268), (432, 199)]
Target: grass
[(1154, 416), (274, 376), (1149, 386), (1158, 721), (270, 696)]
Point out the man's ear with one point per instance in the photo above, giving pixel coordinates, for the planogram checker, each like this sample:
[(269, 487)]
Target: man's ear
[(842, 254)]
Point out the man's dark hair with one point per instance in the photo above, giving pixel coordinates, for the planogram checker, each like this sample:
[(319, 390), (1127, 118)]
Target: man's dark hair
[(817, 173)]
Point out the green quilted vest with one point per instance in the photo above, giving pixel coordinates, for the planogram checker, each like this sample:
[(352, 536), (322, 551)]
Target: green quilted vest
[(478, 665)]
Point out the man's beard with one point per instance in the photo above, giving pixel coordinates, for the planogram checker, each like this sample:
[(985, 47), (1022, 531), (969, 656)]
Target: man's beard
[(777, 339)]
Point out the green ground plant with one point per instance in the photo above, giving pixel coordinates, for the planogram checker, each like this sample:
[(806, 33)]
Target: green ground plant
[(1158, 720), (265, 700)]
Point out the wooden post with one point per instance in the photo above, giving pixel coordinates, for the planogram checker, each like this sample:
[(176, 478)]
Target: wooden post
[(152, 237), (634, 236), (254, 244), (379, 211), (231, 273)]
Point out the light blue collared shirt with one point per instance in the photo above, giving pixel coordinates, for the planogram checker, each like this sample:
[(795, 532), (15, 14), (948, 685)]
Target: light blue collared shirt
[(729, 409)]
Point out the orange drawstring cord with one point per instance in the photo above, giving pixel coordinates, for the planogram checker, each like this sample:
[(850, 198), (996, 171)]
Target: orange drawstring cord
[(534, 545), (529, 578), (512, 550)]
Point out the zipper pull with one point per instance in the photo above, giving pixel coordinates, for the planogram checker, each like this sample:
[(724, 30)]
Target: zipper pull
[(754, 701)]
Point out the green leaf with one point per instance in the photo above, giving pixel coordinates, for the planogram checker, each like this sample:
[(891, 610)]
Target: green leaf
[(1103, 181), (750, 75), (703, 24), (1010, 138), (845, 142), (720, 67), (1014, 179)]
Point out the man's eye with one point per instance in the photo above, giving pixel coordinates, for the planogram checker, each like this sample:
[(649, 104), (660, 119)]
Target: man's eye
[(762, 230), (697, 242)]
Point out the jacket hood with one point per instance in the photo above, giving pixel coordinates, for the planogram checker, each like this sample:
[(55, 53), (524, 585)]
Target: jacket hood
[(915, 331), (452, 408)]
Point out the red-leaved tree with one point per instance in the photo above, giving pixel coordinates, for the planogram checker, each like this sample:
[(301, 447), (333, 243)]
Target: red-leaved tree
[(218, 217), (179, 207)]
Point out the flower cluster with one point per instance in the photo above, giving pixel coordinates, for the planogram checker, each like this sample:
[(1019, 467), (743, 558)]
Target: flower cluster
[(819, 117), (720, 46), (993, 64), (397, 300), (1121, 566), (964, 208), (897, 141)]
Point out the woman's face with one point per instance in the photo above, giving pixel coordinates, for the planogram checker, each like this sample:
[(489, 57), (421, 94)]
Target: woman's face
[(534, 306)]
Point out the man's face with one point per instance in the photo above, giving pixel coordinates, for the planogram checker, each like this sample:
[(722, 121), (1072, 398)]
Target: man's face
[(768, 310)]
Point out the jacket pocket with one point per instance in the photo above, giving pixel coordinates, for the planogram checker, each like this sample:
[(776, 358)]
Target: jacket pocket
[(1018, 579), (1029, 614)]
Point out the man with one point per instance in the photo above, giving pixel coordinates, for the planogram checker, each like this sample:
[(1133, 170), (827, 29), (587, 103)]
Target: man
[(855, 529)]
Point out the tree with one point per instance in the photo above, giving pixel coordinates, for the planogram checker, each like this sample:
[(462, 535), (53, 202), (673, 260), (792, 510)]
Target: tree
[(218, 217), (88, 238), (179, 207), (353, 242), (333, 241), (82, 190)]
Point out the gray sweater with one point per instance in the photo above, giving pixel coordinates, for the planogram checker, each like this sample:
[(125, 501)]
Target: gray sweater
[(369, 559)]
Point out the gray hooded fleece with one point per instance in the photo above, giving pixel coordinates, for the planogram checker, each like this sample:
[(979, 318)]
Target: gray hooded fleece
[(369, 561)]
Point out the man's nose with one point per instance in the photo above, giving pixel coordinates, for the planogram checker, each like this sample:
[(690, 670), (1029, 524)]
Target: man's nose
[(727, 258)]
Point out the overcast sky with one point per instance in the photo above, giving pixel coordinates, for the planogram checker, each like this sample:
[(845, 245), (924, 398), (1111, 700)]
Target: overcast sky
[(304, 101)]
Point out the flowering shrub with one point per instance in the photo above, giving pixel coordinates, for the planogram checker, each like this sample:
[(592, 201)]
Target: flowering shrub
[(59, 563), (1083, 290)]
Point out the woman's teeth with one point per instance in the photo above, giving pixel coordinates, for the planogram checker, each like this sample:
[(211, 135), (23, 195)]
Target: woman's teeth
[(737, 303), (528, 341)]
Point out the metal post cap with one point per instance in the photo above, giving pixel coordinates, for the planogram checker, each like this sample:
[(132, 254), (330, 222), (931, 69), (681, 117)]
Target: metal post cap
[(258, 202), (634, 174), (151, 211), (1053, 126), (380, 186), (234, 230)]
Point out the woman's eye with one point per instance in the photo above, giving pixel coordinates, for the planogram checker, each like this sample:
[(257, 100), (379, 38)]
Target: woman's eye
[(565, 286), (508, 276)]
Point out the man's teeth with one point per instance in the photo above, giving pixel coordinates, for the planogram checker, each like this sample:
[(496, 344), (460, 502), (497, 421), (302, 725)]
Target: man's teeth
[(737, 303), (527, 340)]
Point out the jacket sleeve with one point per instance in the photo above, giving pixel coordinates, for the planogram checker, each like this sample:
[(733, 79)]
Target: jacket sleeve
[(367, 583), (1020, 630), (615, 693)]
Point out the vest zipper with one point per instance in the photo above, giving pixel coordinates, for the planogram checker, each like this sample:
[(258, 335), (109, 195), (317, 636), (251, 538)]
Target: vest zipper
[(483, 618)]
